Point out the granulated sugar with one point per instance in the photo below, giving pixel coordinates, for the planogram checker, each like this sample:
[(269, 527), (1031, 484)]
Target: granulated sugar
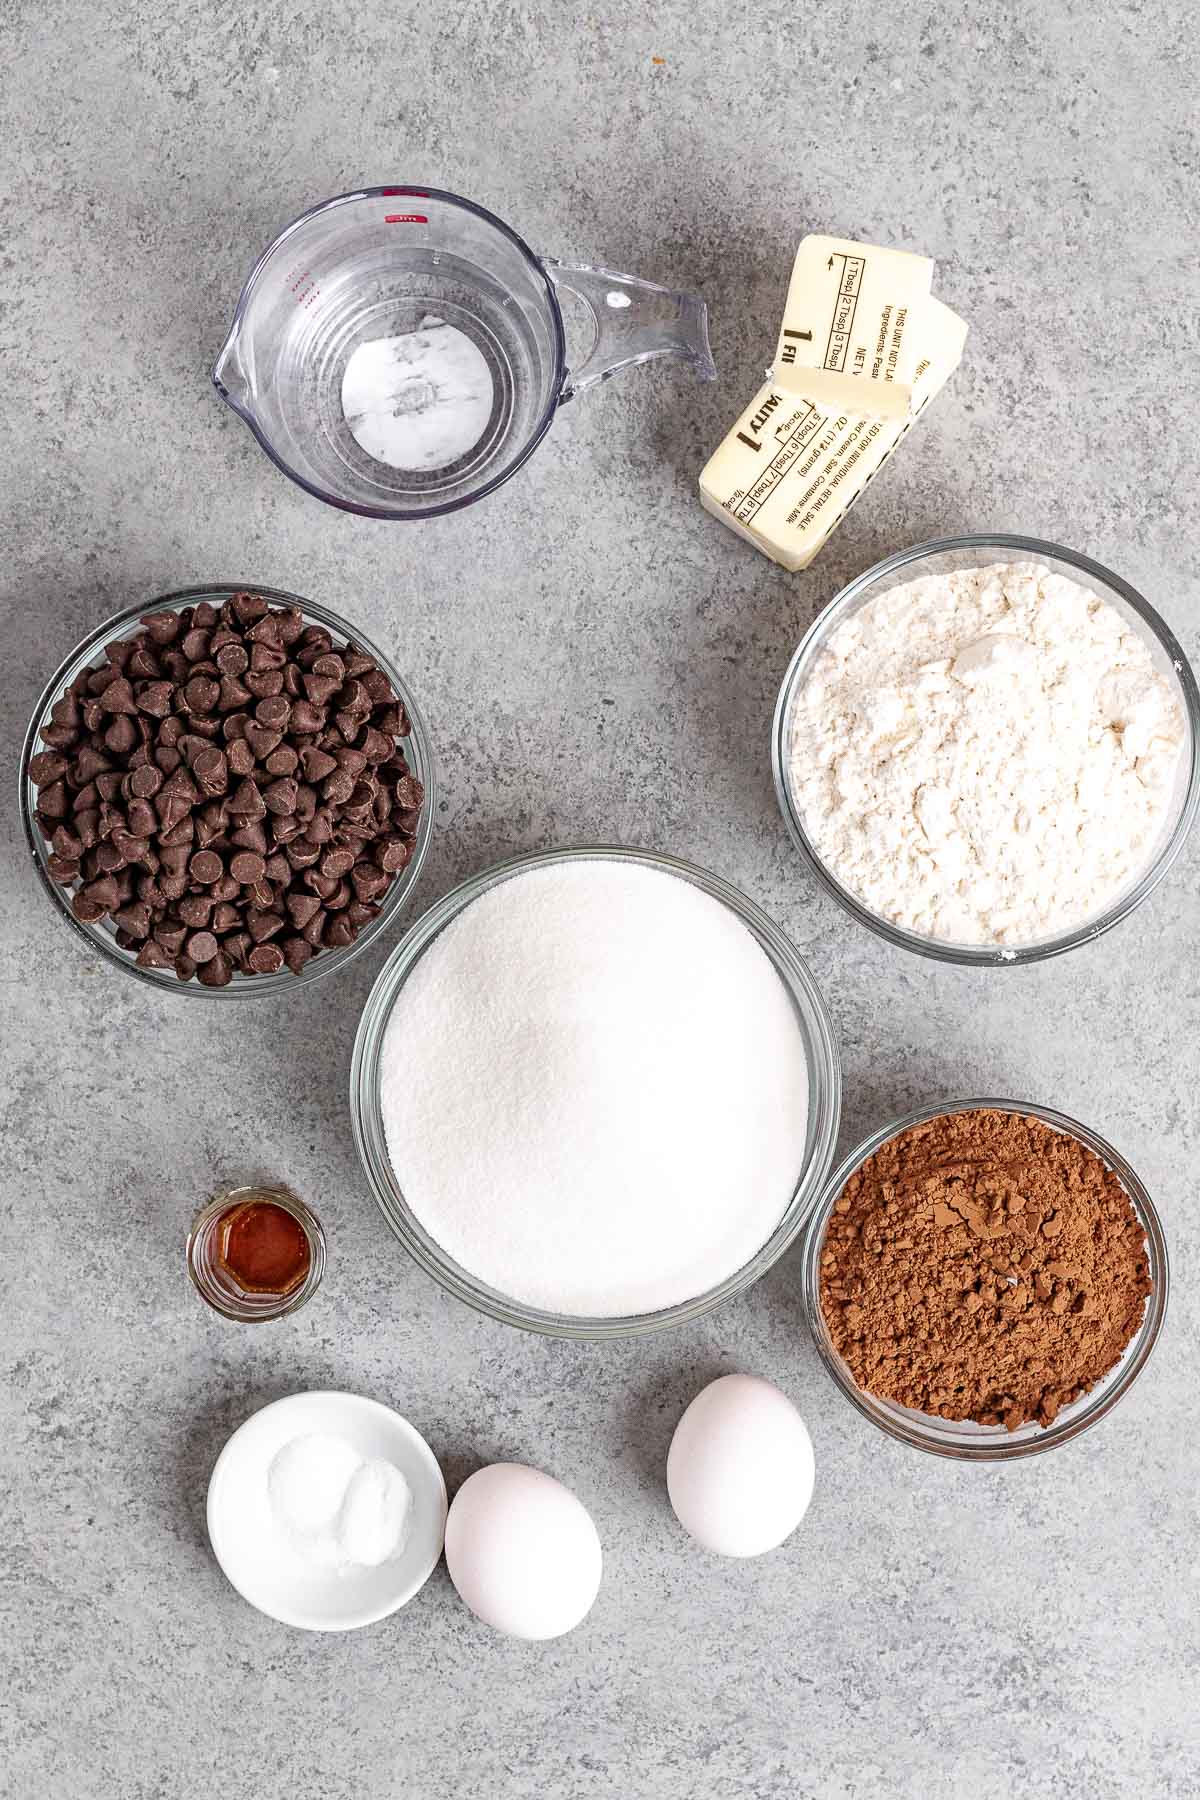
[(595, 1090)]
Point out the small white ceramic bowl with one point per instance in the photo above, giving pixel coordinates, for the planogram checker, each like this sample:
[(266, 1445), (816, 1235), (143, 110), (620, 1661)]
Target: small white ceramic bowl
[(262, 1566)]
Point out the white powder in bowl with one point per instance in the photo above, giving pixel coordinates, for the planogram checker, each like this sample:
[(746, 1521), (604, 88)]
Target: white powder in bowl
[(988, 756), (595, 1090)]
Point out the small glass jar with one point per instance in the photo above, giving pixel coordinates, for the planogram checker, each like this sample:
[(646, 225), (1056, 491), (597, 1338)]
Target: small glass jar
[(216, 1282)]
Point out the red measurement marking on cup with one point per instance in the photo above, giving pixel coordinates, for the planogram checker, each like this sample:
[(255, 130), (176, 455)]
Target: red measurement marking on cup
[(302, 287), (405, 219)]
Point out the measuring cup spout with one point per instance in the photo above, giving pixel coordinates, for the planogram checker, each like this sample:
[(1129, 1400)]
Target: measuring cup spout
[(634, 322), (230, 375)]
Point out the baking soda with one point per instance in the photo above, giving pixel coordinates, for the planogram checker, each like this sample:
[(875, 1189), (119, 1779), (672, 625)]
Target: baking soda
[(595, 1090)]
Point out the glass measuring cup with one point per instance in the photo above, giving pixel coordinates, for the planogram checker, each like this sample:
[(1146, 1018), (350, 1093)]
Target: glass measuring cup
[(400, 352)]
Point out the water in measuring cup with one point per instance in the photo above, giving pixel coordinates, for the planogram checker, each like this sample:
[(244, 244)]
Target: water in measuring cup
[(416, 377)]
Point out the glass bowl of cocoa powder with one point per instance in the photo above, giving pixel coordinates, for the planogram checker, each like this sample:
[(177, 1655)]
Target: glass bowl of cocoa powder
[(48, 740), (985, 1279)]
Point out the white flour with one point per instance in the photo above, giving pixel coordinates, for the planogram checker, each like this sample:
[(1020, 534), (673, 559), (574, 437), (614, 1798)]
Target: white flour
[(987, 756), (595, 1090)]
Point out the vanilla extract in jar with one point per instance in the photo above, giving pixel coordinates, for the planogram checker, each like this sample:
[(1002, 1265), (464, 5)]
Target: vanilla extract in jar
[(256, 1253)]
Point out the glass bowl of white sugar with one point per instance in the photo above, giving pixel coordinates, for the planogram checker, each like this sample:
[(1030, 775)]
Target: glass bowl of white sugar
[(595, 1092), (986, 749)]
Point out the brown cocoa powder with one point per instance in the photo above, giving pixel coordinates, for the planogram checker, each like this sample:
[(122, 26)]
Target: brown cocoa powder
[(983, 1266)]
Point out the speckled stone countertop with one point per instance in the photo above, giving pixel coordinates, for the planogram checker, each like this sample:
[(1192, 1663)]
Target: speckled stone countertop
[(598, 660)]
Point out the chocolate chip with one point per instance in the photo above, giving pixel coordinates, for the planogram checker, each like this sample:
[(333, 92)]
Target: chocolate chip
[(211, 771), (232, 694), (240, 757), (338, 787), (248, 607), (266, 656), (202, 946), (316, 764), (201, 694), (195, 645), (247, 866), (237, 947), (301, 908), (263, 925), (283, 761), (280, 797), (162, 627), (296, 953), (392, 854), (246, 801), (265, 630), (409, 792), (142, 819), (217, 972), (369, 880), (206, 867), (117, 697), (266, 959), (232, 658), (196, 910), (226, 917), (274, 712), (152, 956), (145, 781), (134, 919), (121, 735), (306, 718), (262, 739), (250, 836)]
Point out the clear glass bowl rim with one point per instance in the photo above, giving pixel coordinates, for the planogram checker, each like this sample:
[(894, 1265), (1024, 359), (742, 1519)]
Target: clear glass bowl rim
[(937, 1436), (360, 507), (242, 987), (987, 955), (824, 1099)]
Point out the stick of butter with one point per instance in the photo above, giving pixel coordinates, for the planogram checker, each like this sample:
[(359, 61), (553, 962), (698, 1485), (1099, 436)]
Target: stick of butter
[(791, 468), (849, 335)]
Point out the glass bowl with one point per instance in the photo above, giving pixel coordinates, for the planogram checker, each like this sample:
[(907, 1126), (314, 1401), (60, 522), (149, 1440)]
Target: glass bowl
[(824, 1101), (101, 936), (943, 556), (963, 1438)]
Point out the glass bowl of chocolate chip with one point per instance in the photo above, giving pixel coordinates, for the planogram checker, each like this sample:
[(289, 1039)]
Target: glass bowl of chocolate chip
[(985, 1279), (227, 791)]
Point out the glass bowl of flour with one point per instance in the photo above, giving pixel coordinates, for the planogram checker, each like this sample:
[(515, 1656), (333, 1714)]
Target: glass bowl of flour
[(595, 1092), (985, 747)]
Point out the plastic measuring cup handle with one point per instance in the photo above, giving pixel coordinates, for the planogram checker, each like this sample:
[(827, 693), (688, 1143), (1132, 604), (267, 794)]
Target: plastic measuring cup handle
[(634, 321)]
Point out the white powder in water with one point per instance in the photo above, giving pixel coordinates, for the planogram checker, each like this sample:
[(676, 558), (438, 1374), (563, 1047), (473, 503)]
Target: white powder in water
[(595, 1090), (419, 400), (987, 756)]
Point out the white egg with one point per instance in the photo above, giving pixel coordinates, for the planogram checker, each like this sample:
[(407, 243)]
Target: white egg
[(740, 1467), (522, 1551)]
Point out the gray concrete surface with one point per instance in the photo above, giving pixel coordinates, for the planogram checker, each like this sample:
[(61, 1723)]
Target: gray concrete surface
[(598, 660)]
